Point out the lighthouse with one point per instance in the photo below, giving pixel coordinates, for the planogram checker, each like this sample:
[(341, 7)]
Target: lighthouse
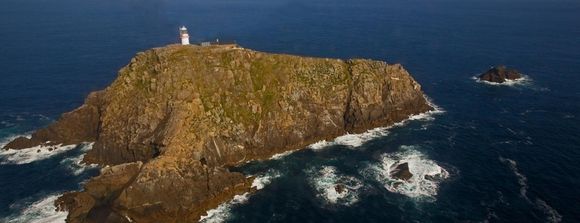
[(184, 36)]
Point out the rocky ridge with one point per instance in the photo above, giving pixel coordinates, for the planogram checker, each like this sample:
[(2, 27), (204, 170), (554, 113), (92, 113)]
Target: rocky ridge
[(177, 116)]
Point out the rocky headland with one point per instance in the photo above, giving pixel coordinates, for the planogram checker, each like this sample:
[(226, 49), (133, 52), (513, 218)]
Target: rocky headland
[(500, 74), (167, 129)]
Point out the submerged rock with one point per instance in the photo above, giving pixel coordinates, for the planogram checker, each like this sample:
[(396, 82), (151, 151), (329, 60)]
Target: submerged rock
[(500, 74), (176, 116)]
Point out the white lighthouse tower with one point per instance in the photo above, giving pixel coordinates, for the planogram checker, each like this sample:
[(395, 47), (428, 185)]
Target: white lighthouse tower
[(184, 36)]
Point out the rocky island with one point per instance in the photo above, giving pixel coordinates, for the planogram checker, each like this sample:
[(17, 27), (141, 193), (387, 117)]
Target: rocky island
[(500, 74), (167, 129)]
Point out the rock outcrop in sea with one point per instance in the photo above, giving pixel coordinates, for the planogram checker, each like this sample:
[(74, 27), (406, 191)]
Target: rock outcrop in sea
[(500, 74), (177, 116)]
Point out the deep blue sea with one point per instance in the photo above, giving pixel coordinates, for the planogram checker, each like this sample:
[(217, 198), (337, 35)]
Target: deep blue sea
[(504, 153)]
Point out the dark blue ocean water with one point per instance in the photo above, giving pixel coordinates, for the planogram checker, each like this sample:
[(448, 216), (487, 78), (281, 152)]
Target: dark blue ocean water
[(512, 152)]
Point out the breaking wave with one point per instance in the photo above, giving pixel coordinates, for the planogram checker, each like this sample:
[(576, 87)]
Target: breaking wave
[(551, 214), (223, 212), (42, 211), (425, 179), (29, 155), (333, 187), (75, 165)]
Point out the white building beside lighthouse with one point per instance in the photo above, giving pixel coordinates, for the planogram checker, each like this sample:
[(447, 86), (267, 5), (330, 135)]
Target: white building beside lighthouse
[(184, 36)]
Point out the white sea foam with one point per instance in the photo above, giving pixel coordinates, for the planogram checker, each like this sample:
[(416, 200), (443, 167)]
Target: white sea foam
[(282, 154), (75, 165), (223, 212), (42, 211), (263, 180), (28, 155), (551, 214), (524, 80), (426, 173), (333, 187), (351, 140)]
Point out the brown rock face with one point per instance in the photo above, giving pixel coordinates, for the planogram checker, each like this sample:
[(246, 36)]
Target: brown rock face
[(500, 74), (99, 192), (177, 115), (80, 125), (401, 172)]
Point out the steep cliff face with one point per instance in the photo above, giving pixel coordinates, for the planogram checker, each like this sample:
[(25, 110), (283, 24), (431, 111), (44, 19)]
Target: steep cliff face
[(176, 115)]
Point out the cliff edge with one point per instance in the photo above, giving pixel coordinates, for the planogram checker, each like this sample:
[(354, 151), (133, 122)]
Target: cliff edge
[(177, 116)]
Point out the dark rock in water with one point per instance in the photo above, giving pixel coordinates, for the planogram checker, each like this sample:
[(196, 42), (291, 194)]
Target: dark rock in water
[(51, 149), (435, 177), (37, 151), (176, 116), (401, 172), (500, 74), (397, 184), (340, 188)]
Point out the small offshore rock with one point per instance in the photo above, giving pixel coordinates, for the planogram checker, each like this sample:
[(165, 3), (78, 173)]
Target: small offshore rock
[(500, 74)]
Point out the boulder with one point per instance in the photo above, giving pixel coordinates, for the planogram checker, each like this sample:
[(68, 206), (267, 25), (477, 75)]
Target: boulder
[(401, 172)]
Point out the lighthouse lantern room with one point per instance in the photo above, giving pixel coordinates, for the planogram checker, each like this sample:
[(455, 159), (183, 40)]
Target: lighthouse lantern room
[(184, 36)]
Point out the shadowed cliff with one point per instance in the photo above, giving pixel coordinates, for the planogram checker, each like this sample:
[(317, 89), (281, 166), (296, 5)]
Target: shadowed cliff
[(176, 115)]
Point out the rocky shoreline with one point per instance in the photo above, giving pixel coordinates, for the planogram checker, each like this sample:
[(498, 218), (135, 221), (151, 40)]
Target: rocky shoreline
[(166, 129)]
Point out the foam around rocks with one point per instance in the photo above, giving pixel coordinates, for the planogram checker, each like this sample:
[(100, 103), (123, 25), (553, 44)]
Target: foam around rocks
[(427, 174), (523, 81), (29, 155), (42, 211), (333, 187)]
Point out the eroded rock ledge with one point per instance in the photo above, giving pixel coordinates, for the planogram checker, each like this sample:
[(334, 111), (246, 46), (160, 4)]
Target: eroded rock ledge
[(177, 115)]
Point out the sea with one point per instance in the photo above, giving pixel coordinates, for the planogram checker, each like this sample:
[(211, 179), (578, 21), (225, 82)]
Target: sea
[(489, 153)]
